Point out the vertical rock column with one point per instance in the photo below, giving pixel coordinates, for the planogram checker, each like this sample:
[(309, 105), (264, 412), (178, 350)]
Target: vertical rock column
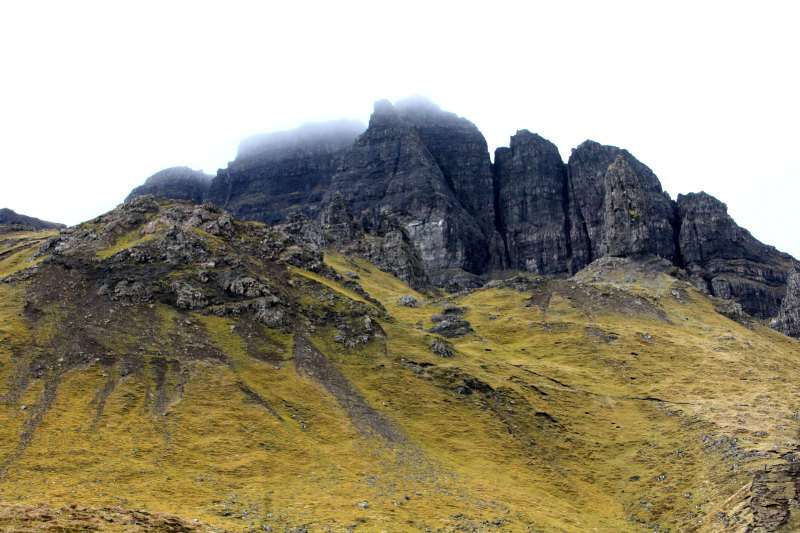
[(531, 189)]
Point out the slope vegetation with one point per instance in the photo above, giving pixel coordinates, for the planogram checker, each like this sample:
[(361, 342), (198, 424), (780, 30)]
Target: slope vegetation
[(167, 368)]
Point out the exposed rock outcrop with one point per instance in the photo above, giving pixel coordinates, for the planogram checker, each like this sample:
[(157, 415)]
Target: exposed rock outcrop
[(390, 171), (179, 183), (531, 183), (384, 242), (417, 195), (461, 152), (726, 261), (617, 206), (788, 319), (14, 221), (276, 174)]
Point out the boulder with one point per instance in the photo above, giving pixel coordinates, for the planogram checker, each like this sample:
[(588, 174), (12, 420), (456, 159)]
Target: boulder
[(407, 301)]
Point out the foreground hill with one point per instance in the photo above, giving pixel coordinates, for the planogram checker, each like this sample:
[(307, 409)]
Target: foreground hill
[(165, 367)]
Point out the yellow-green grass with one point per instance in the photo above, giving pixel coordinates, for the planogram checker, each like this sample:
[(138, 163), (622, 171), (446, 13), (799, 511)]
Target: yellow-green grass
[(18, 248), (125, 241), (626, 450)]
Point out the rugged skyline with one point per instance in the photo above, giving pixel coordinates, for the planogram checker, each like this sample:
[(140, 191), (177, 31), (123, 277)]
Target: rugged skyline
[(423, 176), (719, 110)]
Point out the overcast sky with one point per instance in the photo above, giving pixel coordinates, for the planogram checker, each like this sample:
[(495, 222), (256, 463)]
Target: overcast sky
[(96, 96)]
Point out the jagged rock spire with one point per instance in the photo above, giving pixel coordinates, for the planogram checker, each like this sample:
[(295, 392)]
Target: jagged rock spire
[(531, 182), (420, 179)]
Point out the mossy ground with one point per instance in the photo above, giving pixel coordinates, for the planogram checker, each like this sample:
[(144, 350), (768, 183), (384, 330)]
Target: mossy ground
[(599, 417)]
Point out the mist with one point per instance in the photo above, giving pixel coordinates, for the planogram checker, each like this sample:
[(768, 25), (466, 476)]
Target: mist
[(98, 96)]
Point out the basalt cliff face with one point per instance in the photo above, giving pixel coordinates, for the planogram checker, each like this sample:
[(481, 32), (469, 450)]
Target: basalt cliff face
[(276, 174), (177, 183), (418, 193)]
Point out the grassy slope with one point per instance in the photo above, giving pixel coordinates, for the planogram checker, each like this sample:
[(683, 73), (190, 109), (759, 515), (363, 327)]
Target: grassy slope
[(612, 459)]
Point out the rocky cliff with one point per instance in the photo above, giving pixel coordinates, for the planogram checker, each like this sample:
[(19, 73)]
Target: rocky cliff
[(390, 171), (277, 174), (617, 206), (531, 183), (178, 183), (418, 194), (725, 260), (788, 319)]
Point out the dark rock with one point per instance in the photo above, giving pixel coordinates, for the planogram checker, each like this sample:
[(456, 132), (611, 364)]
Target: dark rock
[(531, 185), (390, 170), (11, 220), (131, 292), (270, 314), (461, 152), (178, 183), (732, 310), (616, 206), (276, 174), (245, 286), (726, 261), (442, 348), (773, 492), (520, 282), (387, 245), (417, 195), (638, 217), (788, 319), (187, 296), (298, 242), (453, 310)]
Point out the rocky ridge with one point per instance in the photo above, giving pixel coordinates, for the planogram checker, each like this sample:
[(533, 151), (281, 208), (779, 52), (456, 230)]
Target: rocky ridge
[(418, 194), (13, 221), (278, 174), (177, 183)]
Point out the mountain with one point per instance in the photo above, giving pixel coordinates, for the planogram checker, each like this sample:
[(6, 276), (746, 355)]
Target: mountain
[(276, 174), (180, 183), (168, 367), (10, 220), (419, 181)]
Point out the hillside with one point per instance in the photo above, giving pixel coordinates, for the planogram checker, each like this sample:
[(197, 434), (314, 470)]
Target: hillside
[(13, 221), (166, 367)]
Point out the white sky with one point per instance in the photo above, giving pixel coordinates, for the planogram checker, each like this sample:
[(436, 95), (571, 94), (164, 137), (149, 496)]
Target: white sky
[(96, 96)]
